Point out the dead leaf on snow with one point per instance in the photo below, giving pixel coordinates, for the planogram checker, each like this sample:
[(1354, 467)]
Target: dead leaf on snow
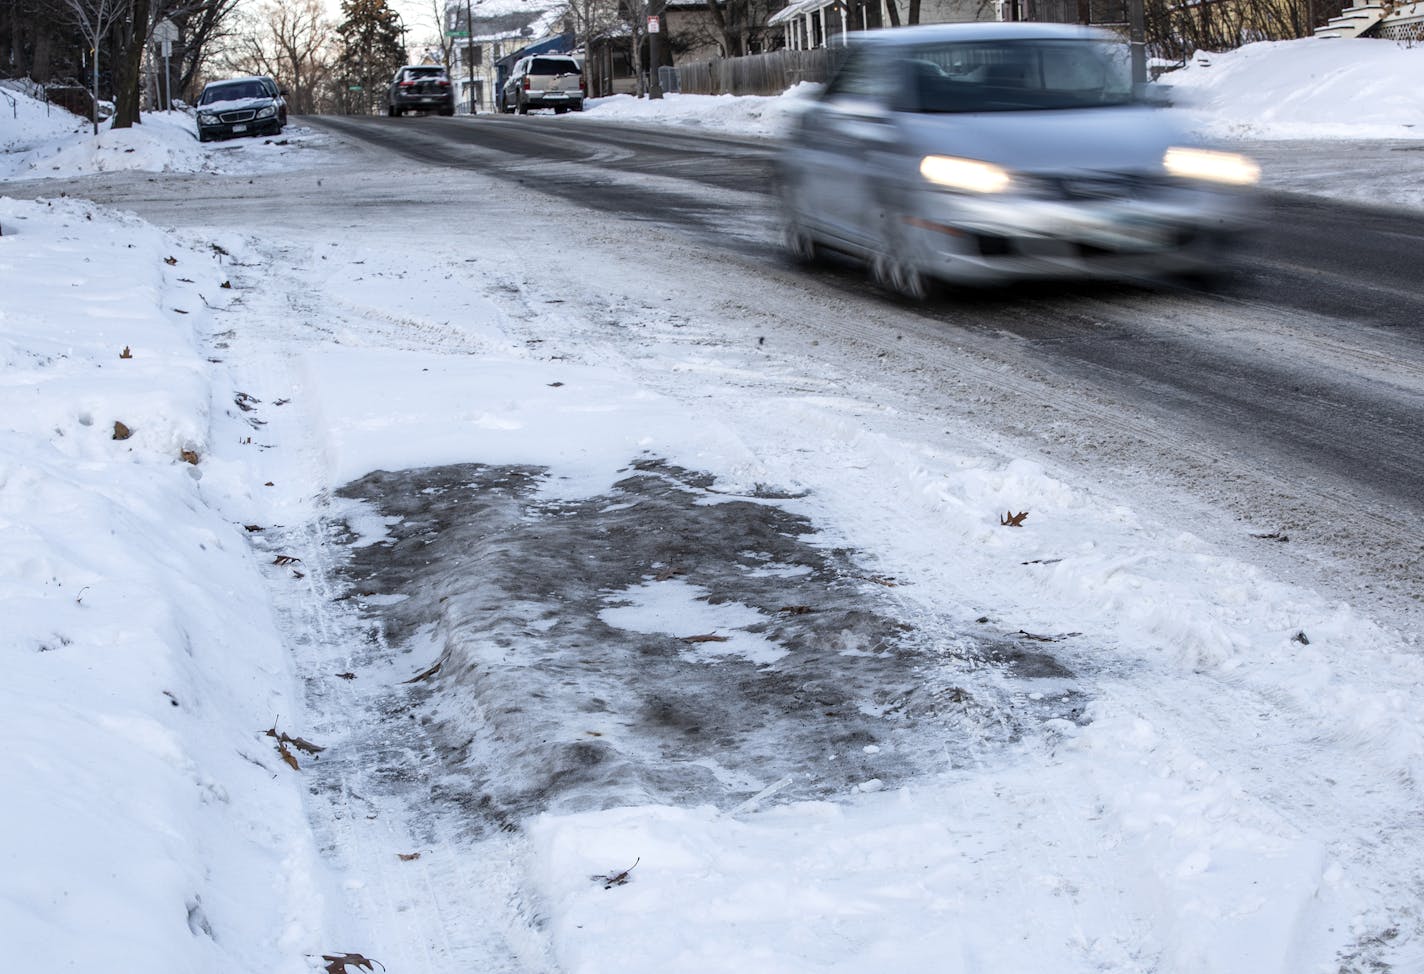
[(189, 456), (288, 756), (338, 963), (428, 673), (121, 432), (126, 353), (346, 676), (170, 261), (1012, 520), (408, 856), (285, 560), (617, 879), (671, 571), (707, 637), (796, 610)]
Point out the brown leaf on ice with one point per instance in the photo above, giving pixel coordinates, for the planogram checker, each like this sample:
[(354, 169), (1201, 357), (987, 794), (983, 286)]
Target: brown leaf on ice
[(288, 756), (227, 285), (189, 456), (346, 676), (617, 879), (126, 353), (428, 673), (285, 560), (1012, 520), (408, 856), (707, 637), (337, 963), (671, 571), (555, 385), (121, 432), (170, 261)]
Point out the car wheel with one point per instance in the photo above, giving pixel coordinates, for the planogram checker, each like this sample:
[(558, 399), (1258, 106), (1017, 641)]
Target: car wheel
[(391, 111), (521, 106), (799, 242), (894, 267), (578, 106), (204, 137), (447, 111)]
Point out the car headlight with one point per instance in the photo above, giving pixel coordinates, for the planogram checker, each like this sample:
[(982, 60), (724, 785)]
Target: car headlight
[(968, 175), (1211, 166), (267, 112), (207, 118)]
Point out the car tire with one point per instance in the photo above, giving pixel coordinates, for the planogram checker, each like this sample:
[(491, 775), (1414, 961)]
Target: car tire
[(204, 137), (521, 107), (447, 111), (893, 266), (800, 244), (578, 106), (391, 111)]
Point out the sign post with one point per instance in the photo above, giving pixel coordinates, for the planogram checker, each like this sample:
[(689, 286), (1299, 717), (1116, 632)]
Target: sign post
[(166, 32), (655, 86)]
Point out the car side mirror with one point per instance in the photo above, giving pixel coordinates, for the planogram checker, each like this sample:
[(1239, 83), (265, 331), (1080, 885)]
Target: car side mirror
[(282, 92)]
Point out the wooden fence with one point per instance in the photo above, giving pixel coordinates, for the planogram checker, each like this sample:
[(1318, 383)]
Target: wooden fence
[(756, 74)]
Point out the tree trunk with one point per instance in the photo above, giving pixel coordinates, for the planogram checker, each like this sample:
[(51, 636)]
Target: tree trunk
[(129, 73), (914, 17)]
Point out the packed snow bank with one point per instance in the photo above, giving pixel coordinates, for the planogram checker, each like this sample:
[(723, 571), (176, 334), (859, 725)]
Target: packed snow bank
[(43, 141), (736, 114), (153, 826), (1313, 88)]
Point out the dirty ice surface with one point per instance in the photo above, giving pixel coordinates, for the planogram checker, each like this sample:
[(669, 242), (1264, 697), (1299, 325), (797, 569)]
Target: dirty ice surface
[(228, 507)]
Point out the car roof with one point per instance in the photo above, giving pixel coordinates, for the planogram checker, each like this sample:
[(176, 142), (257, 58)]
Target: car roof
[(981, 31), (423, 67), (230, 81)]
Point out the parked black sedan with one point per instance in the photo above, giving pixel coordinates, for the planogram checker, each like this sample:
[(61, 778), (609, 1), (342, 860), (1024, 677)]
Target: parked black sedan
[(420, 88), (240, 106)]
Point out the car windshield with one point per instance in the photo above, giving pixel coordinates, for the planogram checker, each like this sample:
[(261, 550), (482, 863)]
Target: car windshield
[(1006, 76), (553, 65), (233, 92)]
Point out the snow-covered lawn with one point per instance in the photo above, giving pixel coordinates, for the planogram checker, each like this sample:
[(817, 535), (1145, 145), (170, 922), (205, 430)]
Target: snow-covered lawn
[(1240, 797)]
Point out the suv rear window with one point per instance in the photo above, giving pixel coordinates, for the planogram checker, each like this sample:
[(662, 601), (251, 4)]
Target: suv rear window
[(554, 65), (417, 74)]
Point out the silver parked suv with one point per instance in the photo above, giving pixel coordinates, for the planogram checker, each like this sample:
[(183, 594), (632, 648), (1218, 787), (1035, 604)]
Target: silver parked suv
[(545, 81)]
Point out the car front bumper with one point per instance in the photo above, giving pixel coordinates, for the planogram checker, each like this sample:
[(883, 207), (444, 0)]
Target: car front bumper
[(995, 238)]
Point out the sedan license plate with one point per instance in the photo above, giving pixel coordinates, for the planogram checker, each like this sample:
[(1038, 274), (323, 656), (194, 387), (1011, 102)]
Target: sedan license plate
[(239, 128)]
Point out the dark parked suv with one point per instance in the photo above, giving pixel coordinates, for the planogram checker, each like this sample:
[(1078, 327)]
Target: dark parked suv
[(420, 88), (240, 106)]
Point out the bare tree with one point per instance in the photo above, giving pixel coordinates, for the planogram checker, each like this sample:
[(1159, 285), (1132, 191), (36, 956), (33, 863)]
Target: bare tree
[(94, 19), (291, 41)]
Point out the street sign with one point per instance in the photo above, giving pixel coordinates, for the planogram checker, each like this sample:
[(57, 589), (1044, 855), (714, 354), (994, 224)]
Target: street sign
[(459, 34), (165, 31), (353, 87), (653, 26)]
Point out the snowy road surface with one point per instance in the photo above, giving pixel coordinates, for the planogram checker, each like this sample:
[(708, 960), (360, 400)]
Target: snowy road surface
[(656, 611)]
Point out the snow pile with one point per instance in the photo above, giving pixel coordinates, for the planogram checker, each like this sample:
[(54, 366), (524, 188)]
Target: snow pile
[(742, 115), (49, 142), (151, 822), (1314, 88)]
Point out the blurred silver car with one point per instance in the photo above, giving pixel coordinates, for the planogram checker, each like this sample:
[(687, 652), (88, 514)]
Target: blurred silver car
[(993, 152)]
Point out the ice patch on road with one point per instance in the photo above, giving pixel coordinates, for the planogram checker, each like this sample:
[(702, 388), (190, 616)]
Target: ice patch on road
[(682, 610)]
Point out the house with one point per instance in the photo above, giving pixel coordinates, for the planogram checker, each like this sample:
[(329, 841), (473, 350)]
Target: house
[(486, 34), (809, 24)]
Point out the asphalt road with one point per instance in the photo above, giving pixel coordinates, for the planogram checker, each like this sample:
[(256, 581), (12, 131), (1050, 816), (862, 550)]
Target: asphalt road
[(1332, 395)]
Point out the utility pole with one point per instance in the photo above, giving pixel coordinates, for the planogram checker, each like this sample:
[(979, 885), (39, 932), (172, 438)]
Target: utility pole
[(655, 85), (470, 52), (1137, 39)]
